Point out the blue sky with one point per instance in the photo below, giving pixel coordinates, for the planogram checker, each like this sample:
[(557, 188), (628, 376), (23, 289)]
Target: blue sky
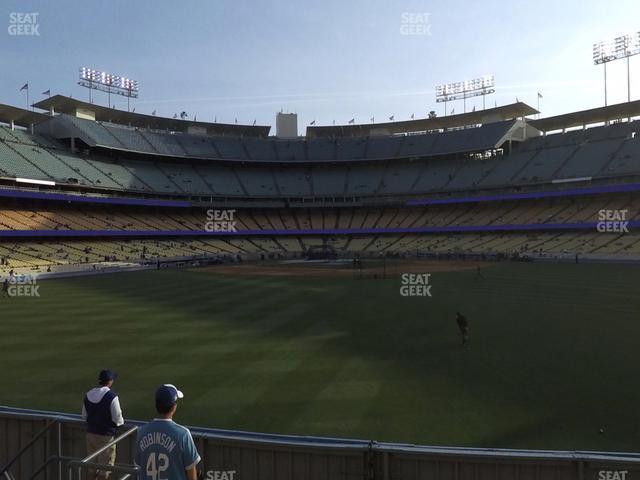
[(326, 60)]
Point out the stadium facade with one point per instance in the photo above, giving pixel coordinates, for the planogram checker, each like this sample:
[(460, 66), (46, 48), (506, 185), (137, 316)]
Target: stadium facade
[(83, 185)]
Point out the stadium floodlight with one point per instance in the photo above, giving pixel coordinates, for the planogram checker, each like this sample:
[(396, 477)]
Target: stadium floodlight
[(106, 82), (623, 46), (462, 90)]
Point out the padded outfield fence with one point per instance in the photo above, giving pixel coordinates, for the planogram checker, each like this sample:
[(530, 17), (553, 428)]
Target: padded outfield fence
[(61, 444)]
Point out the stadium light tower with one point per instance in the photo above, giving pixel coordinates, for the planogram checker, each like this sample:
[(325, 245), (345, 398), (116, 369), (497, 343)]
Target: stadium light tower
[(463, 90), (624, 46), (105, 82)]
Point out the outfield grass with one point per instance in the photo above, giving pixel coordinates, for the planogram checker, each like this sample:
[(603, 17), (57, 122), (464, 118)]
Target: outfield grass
[(553, 355)]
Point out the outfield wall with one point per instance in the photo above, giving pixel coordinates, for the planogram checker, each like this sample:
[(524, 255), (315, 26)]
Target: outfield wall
[(267, 456)]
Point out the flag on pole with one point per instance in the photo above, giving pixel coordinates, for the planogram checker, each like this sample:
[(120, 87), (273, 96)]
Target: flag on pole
[(26, 87), (453, 111), (353, 120), (392, 117), (539, 95), (254, 122), (412, 116), (134, 110), (474, 108), (313, 122), (195, 118), (48, 92), (175, 115), (153, 113), (236, 120), (373, 119)]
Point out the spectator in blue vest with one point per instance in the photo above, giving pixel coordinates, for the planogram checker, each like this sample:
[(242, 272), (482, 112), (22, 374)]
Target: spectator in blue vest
[(102, 412)]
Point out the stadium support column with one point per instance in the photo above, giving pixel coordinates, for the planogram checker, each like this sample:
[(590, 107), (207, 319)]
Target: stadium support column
[(628, 83), (73, 144), (605, 84)]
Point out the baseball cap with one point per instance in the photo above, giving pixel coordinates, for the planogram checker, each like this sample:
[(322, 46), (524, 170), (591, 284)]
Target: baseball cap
[(167, 395), (107, 375)]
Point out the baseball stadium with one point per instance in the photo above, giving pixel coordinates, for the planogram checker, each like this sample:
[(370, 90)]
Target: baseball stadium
[(303, 290)]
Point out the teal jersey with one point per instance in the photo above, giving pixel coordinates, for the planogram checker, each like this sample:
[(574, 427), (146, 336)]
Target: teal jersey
[(165, 450)]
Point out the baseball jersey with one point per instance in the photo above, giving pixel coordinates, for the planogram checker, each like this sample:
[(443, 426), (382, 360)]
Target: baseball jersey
[(164, 450)]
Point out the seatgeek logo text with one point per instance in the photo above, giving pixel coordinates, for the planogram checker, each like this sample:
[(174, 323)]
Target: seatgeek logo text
[(415, 285), (613, 221), (220, 221), (24, 24)]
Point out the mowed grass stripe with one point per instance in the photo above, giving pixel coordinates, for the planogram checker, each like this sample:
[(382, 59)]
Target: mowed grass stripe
[(551, 359)]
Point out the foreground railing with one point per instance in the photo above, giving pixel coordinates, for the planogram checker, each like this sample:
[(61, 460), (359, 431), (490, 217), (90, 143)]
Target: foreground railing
[(237, 455), (89, 461)]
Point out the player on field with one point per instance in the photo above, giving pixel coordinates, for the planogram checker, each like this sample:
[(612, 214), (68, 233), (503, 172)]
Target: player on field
[(463, 325), (164, 449)]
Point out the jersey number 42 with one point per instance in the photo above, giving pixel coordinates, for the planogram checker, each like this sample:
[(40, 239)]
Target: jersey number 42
[(155, 466)]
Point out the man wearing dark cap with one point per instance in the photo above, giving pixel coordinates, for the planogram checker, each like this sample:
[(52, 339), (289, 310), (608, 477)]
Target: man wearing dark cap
[(102, 412), (165, 449)]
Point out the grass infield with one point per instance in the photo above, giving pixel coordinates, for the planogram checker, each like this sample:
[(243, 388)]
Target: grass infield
[(552, 358)]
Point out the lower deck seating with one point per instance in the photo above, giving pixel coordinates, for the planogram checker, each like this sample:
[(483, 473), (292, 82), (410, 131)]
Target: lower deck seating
[(559, 210), (51, 254)]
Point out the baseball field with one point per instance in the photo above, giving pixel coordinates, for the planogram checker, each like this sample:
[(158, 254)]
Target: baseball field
[(552, 361)]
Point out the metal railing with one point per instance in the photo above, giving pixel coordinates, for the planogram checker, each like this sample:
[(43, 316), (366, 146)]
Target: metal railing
[(88, 463), (5, 470), (254, 455)]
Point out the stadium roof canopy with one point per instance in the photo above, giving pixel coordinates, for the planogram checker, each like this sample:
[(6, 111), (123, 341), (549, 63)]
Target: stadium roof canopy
[(71, 106), (588, 117), (20, 116), (497, 114)]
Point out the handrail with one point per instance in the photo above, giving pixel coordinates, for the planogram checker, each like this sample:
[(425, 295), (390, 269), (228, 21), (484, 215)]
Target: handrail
[(109, 445), (87, 461), (102, 466), (5, 469), (52, 459)]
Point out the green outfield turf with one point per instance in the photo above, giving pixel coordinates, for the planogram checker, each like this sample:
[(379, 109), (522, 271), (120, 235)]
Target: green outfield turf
[(553, 356)]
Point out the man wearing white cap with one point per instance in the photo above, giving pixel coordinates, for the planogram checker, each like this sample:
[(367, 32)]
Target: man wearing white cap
[(165, 449)]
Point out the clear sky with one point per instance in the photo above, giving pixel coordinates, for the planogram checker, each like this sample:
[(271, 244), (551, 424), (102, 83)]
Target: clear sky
[(326, 60)]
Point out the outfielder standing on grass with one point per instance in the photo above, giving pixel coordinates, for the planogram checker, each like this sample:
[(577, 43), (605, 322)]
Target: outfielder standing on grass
[(463, 325), (164, 449)]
